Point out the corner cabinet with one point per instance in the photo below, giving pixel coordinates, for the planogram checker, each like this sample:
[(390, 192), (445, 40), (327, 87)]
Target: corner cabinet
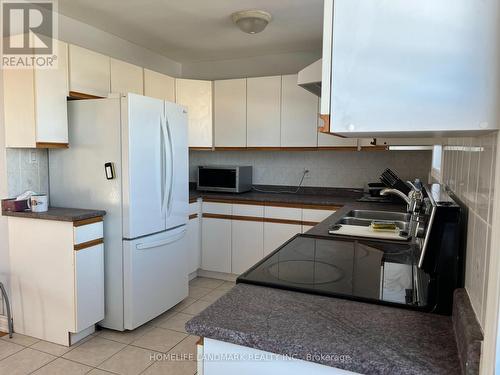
[(399, 70), (263, 111), (57, 277), (196, 95), (35, 104), (230, 113), (159, 86)]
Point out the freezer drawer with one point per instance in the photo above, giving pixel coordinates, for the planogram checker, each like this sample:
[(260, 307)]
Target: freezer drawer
[(155, 275)]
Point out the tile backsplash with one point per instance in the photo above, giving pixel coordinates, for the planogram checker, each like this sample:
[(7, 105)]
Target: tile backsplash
[(27, 169), (468, 168), (348, 169)]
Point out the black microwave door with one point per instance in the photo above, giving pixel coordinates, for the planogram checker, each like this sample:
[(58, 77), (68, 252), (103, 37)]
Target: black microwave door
[(217, 178)]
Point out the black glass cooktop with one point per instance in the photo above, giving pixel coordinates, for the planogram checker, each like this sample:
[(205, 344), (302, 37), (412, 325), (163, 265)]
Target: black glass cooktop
[(381, 272)]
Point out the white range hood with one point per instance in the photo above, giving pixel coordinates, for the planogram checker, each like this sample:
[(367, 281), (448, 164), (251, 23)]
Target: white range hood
[(310, 77)]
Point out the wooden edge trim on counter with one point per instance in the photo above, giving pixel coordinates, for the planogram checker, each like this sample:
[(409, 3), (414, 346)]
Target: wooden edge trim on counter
[(272, 204), (310, 223), (91, 220), (85, 245), (374, 148), (321, 207), (81, 95), (51, 145), (193, 216), (201, 148), (193, 200)]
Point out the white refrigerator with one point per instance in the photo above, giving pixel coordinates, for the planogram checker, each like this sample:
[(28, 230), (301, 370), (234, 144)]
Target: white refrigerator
[(128, 155)]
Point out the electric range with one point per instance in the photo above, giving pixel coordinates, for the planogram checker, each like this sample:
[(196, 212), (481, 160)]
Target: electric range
[(364, 270)]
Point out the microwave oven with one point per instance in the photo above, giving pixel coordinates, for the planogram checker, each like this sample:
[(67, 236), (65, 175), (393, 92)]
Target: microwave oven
[(231, 179)]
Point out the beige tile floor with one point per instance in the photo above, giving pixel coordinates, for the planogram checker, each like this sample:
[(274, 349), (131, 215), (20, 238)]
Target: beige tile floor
[(122, 353)]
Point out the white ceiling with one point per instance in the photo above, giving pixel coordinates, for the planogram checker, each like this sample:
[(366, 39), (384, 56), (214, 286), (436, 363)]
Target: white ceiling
[(202, 30)]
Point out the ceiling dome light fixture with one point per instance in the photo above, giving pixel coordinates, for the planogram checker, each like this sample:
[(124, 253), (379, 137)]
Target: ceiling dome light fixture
[(251, 21)]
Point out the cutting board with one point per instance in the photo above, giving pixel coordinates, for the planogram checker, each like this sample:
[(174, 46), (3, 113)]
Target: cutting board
[(360, 231)]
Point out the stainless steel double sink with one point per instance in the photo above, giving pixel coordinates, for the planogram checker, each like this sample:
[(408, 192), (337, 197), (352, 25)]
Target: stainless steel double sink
[(365, 217)]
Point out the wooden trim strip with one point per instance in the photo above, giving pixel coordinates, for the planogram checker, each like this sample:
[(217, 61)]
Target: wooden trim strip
[(85, 245), (83, 222), (282, 221), (326, 124), (217, 216), (315, 148), (247, 218), (51, 145), (252, 218), (193, 200), (193, 216), (81, 95)]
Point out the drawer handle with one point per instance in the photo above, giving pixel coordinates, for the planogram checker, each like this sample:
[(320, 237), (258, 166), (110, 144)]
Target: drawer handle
[(151, 245)]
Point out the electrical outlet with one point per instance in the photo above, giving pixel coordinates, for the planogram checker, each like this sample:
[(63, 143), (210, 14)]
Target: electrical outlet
[(33, 157)]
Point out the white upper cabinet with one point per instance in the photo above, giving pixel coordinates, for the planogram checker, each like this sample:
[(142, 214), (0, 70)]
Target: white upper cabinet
[(160, 86), (263, 111), (35, 104), (299, 114), (230, 113), (126, 78), (416, 69), (197, 97), (89, 72)]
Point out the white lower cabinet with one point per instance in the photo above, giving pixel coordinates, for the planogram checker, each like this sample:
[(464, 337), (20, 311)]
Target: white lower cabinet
[(56, 278), (276, 234), (234, 237), (194, 244), (89, 283), (216, 245), (248, 244), (247, 235)]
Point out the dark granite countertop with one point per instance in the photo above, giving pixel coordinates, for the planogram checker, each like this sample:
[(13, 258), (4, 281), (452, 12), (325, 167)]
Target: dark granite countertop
[(58, 214), (305, 196), (354, 336)]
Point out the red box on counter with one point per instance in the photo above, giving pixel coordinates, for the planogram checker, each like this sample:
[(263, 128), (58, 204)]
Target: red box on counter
[(13, 205)]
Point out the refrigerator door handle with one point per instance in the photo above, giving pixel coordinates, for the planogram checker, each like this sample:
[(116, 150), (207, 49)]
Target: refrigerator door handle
[(164, 159), (151, 245), (162, 165), (172, 174)]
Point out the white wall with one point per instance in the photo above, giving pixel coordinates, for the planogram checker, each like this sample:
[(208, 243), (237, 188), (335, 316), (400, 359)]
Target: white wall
[(347, 169), (267, 65), (4, 240), (27, 169), (81, 34), (469, 170)]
